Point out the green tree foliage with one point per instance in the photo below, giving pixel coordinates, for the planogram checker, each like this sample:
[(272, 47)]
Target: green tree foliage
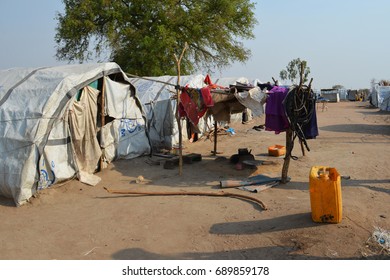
[(143, 35), (292, 71)]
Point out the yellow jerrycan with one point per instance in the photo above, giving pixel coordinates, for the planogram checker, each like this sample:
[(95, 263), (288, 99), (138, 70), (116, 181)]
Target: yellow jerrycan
[(325, 195)]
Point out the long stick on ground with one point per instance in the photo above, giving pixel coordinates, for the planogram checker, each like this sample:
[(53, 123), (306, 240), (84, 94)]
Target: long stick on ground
[(224, 194)]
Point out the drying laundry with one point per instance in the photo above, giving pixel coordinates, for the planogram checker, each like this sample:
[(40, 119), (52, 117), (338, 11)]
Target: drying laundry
[(194, 103), (275, 116)]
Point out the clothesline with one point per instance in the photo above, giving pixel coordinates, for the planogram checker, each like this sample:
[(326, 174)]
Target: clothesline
[(227, 90), (150, 79)]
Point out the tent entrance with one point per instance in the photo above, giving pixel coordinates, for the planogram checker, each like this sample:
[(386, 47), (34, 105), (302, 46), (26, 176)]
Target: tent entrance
[(87, 116), (83, 114), (106, 123)]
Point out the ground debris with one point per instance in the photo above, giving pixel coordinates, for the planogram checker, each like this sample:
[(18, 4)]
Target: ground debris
[(382, 237), (378, 244)]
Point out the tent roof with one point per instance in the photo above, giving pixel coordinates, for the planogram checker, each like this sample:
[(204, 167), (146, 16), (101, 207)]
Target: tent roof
[(28, 91), (150, 90), (28, 94), (227, 81)]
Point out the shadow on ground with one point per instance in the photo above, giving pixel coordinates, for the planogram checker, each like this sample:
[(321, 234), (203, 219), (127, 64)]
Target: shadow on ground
[(288, 222), (273, 252), (262, 253), (365, 183), (371, 110), (370, 184), (359, 128)]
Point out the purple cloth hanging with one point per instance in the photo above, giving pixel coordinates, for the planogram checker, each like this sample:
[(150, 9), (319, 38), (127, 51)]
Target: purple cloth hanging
[(275, 116)]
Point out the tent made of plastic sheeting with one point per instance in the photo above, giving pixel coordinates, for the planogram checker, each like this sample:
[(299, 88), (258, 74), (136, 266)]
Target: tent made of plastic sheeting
[(51, 125), (380, 97), (156, 94), (335, 94), (352, 95), (228, 106)]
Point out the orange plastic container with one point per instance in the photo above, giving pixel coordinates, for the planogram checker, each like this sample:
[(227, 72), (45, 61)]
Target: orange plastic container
[(325, 195), (277, 150)]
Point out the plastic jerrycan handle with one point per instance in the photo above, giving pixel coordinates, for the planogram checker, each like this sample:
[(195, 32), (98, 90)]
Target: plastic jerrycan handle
[(323, 173)]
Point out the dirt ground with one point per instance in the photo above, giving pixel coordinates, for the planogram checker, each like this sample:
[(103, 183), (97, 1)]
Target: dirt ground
[(76, 221)]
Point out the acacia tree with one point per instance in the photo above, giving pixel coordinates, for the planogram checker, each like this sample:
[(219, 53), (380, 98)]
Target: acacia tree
[(143, 35), (293, 69), (384, 82), (338, 87)]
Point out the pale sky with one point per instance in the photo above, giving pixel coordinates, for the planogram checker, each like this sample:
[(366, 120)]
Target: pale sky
[(345, 42)]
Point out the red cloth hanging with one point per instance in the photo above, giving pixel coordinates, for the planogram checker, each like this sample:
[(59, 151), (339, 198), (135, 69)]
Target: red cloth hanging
[(194, 103)]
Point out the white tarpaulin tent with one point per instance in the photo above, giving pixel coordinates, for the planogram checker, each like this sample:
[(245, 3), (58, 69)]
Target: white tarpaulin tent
[(50, 125), (380, 97), (160, 108)]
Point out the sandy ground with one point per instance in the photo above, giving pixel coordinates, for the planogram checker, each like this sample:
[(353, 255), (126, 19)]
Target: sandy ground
[(76, 221)]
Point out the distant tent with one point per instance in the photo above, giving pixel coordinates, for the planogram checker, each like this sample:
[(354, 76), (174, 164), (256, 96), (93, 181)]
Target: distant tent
[(352, 95), (380, 97), (156, 94), (51, 125), (335, 94), (332, 95)]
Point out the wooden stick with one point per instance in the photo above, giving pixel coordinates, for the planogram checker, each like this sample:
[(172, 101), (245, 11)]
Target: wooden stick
[(287, 156), (103, 122), (289, 132), (302, 148), (215, 138), (309, 87), (178, 61), (300, 78), (221, 193)]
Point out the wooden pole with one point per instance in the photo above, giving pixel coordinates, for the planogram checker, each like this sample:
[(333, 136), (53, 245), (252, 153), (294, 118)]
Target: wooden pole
[(287, 157), (178, 90), (215, 137), (103, 122), (289, 135), (302, 148)]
